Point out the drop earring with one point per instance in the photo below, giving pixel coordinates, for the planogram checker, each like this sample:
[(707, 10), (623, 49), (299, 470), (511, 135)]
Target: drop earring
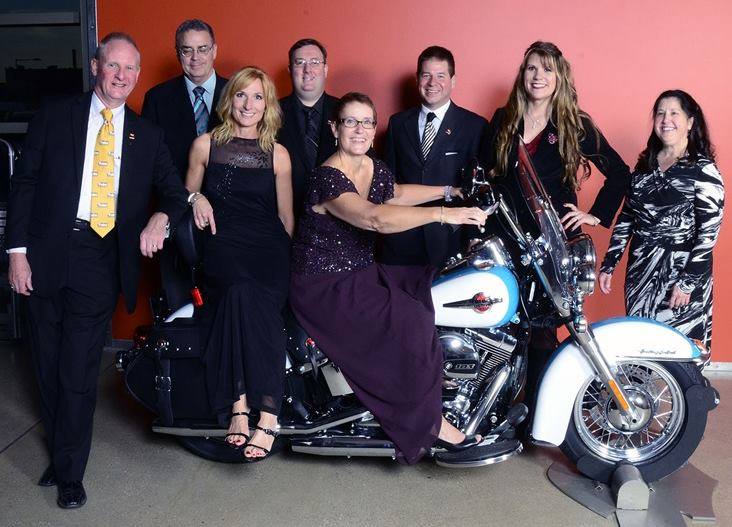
[(336, 141)]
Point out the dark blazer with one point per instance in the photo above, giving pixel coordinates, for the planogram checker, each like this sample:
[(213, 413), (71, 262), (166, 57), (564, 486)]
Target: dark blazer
[(292, 137), (47, 183), (550, 169), (456, 143), (169, 106)]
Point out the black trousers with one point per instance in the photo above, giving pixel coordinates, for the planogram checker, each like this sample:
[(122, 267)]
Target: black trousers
[(67, 331)]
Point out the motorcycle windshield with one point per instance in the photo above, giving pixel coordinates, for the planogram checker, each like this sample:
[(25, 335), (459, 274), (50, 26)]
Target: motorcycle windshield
[(555, 260)]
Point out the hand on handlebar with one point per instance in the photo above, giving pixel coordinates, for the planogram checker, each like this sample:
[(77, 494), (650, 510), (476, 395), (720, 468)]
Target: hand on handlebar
[(463, 216)]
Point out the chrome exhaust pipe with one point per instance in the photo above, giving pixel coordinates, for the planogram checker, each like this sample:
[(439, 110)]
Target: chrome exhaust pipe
[(486, 402)]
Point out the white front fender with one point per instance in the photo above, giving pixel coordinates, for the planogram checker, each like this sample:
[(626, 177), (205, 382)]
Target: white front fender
[(568, 370)]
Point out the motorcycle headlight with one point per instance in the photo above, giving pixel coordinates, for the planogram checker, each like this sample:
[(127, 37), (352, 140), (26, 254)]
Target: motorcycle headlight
[(585, 279), (583, 251)]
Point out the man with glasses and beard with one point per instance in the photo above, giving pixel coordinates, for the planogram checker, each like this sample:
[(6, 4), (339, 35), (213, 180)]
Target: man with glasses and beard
[(306, 111), (185, 107)]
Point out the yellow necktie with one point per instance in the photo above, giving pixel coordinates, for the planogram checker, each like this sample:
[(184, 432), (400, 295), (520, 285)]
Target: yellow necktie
[(102, 194)]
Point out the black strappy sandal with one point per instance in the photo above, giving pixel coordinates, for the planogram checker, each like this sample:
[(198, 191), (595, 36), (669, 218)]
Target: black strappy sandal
[(254, 459), (234, 434)]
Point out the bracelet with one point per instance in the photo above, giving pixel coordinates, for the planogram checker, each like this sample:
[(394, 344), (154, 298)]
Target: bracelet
[(194, 197), (441, 219), (447, 193)]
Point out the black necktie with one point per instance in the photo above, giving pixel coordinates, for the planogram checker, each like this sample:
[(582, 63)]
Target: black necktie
[(428, 137), (312, 134)]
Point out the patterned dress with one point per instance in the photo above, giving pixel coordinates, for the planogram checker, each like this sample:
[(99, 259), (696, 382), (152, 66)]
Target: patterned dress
[(671, 220)]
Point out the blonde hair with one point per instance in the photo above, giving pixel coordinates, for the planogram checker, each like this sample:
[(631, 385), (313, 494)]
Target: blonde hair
[(565, 114), (271, 120)]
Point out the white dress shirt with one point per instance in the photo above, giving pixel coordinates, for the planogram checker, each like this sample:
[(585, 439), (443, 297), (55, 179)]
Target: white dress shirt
[(209, 85), (436, 122)]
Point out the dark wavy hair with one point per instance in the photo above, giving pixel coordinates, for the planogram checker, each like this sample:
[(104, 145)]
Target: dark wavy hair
[(699, 142), (565, 114)]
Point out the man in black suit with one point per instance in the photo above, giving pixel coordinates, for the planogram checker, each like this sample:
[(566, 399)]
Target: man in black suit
[(184, 107), (430, 145), (76, 218), (305, 131)]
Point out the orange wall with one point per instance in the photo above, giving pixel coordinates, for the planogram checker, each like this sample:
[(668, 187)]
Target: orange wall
[(623, 53)]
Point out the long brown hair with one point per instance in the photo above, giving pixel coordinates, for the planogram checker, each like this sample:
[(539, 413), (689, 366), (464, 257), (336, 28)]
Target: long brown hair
[(565, 114), (271, 120)]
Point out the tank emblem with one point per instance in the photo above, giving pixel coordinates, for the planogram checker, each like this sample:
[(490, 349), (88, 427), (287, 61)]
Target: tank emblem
[(480, 303)]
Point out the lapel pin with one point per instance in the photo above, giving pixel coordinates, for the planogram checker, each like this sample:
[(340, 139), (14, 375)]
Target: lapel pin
[(448, 131), (131, 137)]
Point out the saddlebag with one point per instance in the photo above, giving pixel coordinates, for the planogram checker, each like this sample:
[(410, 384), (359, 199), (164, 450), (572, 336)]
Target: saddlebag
[(167, 374)]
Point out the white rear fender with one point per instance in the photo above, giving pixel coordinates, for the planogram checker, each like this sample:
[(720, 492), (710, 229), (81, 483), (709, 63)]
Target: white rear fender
[(569, 370)]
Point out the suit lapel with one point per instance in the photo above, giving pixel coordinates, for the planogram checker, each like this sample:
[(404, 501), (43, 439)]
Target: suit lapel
[(411, 131), (447, 128), (214, 119), (326, 135), (79, 128), (289, 107), (127, 163), (182, 100)]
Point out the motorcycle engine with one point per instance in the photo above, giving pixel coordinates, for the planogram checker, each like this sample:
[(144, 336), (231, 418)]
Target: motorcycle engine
[(460, 358)]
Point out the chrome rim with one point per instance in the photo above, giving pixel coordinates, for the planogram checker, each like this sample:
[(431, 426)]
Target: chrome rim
[(662, 415)]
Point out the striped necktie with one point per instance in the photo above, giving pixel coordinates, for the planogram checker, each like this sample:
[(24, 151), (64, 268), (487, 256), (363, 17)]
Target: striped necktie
[(102, 193), (428, 137), (200, 111)]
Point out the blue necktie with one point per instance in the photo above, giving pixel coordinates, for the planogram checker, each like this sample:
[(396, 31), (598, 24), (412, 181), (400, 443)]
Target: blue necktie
[(200, 111)]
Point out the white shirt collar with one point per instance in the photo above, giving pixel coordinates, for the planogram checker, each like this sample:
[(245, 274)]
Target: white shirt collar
[(439, 112), (209, 84), (97, 106)]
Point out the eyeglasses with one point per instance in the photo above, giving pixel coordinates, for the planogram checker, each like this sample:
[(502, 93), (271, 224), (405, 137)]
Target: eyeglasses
[(350, 122), (300, 63), (186, 51)]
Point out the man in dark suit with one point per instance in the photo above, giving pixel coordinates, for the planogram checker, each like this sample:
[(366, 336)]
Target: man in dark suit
[(76, 218), (305, 131), (430, 145), (185, 107)]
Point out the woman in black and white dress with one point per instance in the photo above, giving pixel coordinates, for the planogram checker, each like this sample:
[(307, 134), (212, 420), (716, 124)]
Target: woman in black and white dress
[(671, 220)]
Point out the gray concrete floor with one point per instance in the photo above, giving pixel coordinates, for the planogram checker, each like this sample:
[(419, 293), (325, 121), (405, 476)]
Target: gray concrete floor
[(137, 478)]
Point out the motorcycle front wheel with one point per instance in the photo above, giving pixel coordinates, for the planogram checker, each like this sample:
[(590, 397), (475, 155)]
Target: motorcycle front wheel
[(672, 401)]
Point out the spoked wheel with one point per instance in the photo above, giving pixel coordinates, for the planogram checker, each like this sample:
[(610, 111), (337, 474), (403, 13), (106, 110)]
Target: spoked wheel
[(672, 401)]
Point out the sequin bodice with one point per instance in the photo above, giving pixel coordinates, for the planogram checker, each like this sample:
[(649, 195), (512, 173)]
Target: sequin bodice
[(326, 244)]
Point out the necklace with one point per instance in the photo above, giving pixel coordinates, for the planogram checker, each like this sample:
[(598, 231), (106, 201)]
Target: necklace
[(535, 123)]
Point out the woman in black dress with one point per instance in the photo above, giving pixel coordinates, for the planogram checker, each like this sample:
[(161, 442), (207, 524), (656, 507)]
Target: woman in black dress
[(561, 139), (376, 322), (247, 204), (671, 220)]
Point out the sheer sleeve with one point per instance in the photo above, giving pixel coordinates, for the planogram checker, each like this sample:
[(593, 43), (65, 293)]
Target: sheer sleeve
[(708, 211), (622, 233), (327, 183)]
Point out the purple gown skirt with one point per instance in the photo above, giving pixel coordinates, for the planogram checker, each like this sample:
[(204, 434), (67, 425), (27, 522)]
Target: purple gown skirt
[(378, 326)]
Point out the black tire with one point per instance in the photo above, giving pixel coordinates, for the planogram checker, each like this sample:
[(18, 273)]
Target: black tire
[(211, 448), (699, 397), (216, 449)]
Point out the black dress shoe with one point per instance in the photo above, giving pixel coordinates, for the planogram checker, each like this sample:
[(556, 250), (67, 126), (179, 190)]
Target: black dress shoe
[(468, 442), (71, 494), (48, 479)]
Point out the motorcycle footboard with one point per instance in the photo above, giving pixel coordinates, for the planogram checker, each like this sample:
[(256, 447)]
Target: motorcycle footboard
[(480, 455)]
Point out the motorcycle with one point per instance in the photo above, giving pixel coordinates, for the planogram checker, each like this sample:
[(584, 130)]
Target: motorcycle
[(622, 390)]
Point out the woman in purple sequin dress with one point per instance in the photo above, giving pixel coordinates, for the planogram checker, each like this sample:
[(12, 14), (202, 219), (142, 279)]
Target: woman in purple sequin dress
[(376, 322), (245, 176)]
